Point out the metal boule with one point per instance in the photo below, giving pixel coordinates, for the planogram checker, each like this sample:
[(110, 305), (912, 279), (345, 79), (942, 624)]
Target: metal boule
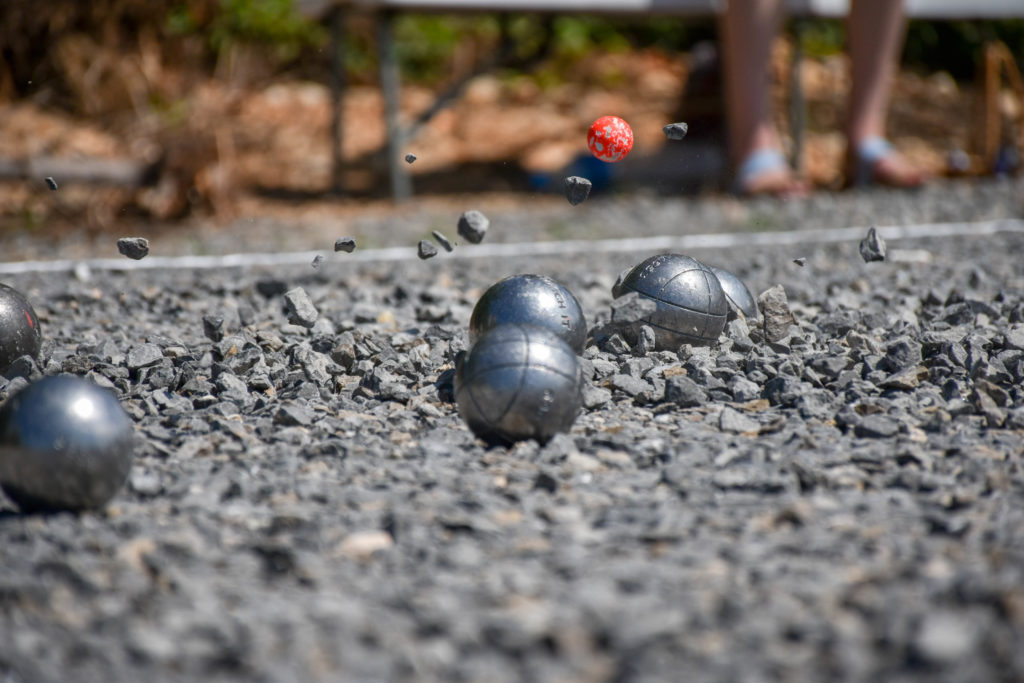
[(65, 444), (519, 382), (530, 300), (736, 291), (19, 328), (691, 306)]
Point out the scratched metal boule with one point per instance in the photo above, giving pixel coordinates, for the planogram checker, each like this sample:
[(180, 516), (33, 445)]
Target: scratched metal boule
[(736, 291), (691, 306), (534, 300), (518, 382)]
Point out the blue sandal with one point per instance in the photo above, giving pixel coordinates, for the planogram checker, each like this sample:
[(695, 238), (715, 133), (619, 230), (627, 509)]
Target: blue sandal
[(757, 163), (865, 160)]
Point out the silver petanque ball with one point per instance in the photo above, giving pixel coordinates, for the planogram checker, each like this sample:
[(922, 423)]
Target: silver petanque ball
[(19, 327), (65, 444), (691, 306), (736, 291), (530, 300), (519, 382)]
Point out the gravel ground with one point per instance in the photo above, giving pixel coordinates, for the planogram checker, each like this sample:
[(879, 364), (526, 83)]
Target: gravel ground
[(843, 503)]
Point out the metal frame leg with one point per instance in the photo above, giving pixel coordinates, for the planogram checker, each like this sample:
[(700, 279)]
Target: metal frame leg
[(390, 83), (339, 78), (797, 103)]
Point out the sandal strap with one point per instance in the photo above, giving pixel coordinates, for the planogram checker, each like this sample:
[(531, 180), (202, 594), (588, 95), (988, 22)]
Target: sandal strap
[(755, 164), (874, 149)]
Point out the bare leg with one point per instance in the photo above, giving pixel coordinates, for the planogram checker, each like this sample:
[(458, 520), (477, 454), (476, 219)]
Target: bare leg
[(748, 28), (875, 31)]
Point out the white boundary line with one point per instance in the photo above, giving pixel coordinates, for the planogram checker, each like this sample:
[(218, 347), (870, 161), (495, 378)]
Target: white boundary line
[(562, 248)]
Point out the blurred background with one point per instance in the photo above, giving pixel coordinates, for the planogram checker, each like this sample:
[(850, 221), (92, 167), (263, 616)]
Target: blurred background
[(171, 110)]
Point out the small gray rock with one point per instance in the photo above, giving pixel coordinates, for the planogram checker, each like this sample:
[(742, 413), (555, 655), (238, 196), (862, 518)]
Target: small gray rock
[(595, 397), (409, 158), (577, 189), (301, 310), (143, 355), (802, 261), (317, 260), (872, 247), (632, 308), (675, 131), (426, 250), (876, 427), (346, 244), (731, 420), (473, 226), (213, 327), (51, 183), (645, 341), (442, 240), (684, 392), (774, 307), (133, 247)]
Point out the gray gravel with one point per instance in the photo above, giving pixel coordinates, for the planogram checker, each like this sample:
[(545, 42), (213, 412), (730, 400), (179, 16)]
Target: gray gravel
[(843, 502)]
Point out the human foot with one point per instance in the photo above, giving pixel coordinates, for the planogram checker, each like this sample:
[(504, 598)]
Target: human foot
[(765, 172), (875, 161)]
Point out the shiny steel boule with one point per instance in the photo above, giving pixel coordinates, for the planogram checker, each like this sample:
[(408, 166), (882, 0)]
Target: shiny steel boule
[(519, 382), (19, 327), (530, 300), (65, 444), (736, 291), (691, 305)]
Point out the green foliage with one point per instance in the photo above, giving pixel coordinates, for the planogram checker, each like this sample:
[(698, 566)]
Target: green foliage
[(957, 46), (426, 43), (820, 37), (274, 23), (952, 46)]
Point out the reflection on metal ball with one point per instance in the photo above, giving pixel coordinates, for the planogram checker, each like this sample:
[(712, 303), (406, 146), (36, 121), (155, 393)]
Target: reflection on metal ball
[(691, 306), (530, 300), (65, 444), (19, 328), (736, 292), (519, 382)]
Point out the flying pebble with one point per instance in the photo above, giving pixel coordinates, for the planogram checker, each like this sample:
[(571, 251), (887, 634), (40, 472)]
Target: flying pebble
[(872, 247), (802, 261), (133, 247), (409, 158), (442, 240), (317, 260), (675, 131), (577, 189), (346, 244), (473, 226), (51, 183), (426, 250)]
